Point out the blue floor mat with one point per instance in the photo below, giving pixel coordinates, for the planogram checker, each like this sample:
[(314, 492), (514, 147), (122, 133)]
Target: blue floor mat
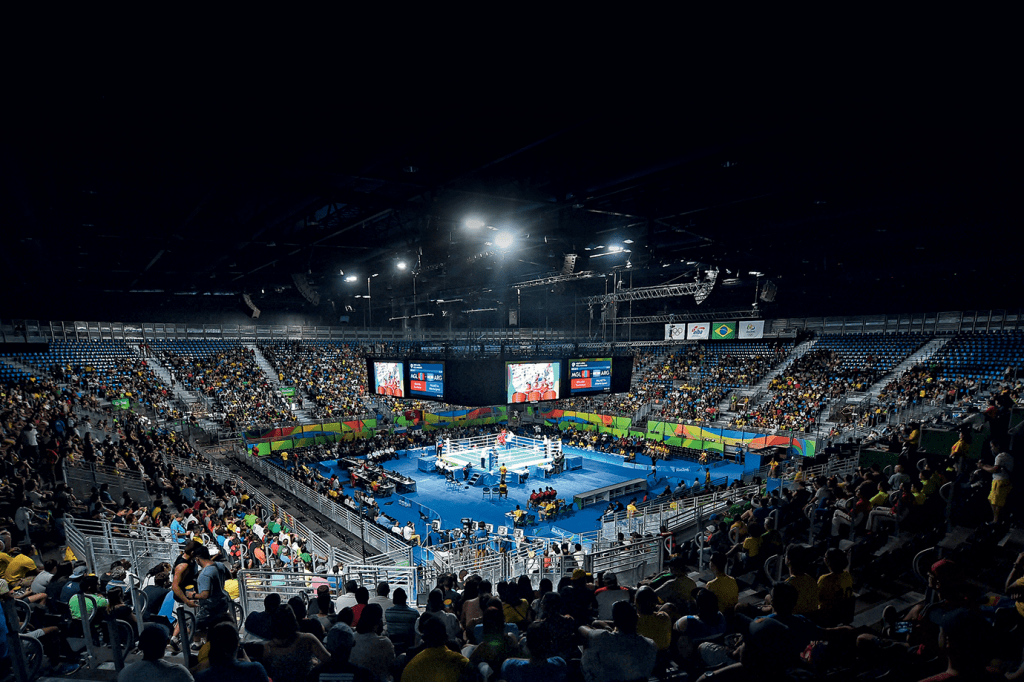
[(469, 502)]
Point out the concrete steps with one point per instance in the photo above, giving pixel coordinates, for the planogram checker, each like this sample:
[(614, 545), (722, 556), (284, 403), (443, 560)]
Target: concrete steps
[(301, 416), (922, 354)]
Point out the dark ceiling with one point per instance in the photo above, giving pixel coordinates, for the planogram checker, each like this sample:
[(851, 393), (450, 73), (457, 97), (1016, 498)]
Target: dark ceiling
[(145, 205)]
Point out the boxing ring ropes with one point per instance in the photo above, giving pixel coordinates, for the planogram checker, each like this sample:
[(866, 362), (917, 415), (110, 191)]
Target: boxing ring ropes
[(516, 453)]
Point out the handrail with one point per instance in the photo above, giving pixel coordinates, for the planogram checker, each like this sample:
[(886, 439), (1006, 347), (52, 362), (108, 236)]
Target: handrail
[(371, 533)]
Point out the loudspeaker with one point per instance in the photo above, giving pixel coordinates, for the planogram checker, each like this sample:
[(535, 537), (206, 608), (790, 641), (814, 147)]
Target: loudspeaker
[(253, 310)]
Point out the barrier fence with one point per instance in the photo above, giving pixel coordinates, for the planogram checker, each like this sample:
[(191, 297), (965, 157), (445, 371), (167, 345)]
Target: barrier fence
[(99, 544), (393, 550), (82, 476)]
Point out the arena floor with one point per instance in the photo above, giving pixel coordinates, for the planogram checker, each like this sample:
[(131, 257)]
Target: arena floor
[(454, 505)]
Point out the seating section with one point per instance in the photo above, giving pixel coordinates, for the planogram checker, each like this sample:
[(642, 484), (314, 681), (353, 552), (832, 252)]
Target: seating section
[(106, 369), (983, 357), (834, 365), (331, 375), (226, 373), (709, 372)]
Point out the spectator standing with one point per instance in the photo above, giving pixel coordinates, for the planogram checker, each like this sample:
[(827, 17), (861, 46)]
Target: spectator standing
[(214, 601), (1000, 469)]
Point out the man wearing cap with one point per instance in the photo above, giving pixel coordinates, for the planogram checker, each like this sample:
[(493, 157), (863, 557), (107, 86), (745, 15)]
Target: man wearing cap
[(949, 581), (152, 668), (74, 584)]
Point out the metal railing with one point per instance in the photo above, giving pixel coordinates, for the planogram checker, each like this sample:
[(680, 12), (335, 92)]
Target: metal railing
[(674, 514), (395, 549), (89, 474), (99, 544)]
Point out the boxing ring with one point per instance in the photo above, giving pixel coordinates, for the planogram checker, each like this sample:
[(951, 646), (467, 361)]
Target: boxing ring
[(517, 453)]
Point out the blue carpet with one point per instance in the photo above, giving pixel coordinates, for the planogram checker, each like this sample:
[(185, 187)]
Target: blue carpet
[(454, 505)]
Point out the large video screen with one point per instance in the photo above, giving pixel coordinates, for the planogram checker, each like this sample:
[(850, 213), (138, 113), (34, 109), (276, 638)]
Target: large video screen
[(590, 375), (388, 378), (528, 382), (426, 379)]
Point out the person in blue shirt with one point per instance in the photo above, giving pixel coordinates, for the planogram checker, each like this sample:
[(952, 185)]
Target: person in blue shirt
[(178, 529)]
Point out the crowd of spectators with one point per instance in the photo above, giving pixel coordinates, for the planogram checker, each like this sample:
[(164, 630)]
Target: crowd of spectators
[(331, 376), (118, 377), (805, 388), (234, 382)]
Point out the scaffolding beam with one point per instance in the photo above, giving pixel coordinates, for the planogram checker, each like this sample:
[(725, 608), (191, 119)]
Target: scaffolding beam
[(554, 279), (687, 317)]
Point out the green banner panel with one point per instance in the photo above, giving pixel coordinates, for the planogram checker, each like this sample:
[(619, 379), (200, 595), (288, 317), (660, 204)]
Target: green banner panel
[(722, 331)]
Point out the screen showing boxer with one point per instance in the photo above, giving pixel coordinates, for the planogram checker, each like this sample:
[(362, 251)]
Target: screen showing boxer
[(388, 379), (530, 382)]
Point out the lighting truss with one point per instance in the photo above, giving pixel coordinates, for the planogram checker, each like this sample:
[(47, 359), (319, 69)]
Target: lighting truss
[(688, 317), (554, 279), (699, 290)]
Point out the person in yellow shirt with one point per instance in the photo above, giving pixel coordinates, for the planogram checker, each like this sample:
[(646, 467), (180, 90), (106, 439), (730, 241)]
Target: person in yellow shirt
[(655, 625), (722, 585), (798, 559), (835, 590), (881, 498), (19, 566), (631, 509)]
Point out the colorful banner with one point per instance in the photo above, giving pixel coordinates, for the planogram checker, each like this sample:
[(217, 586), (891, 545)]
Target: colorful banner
[(121, 403), (288, 391), (681, 435), (698, 331), (675, 332), (751, 329), (722, 331), (480, 416), (329, 432)]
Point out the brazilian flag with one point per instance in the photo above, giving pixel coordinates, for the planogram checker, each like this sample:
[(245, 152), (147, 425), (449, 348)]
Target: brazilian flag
[(723, 330)]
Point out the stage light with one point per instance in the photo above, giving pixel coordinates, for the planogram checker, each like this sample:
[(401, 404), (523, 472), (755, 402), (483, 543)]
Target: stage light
[(627, 241), (503, 240), (351, 278), (474, 224), (401, 265)]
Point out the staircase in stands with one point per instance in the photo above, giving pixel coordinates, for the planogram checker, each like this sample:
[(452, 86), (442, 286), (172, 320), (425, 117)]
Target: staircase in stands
[(761, 387), (186, 398), (301, 415)]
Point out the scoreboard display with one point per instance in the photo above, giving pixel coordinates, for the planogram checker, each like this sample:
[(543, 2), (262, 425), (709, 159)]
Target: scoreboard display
[(426, 379), (590, 375)]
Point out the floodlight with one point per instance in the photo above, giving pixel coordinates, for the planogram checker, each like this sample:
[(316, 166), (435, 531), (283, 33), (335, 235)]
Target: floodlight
[(503, 240), (473, 223), (351, 278), (401, 265)]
